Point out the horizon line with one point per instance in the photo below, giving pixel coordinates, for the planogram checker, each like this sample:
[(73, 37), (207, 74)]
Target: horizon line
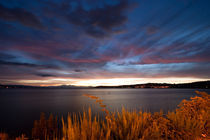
[(103, 85)]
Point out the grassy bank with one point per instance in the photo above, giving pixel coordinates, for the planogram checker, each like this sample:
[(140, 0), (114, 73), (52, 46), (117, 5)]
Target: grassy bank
[(190, 121)]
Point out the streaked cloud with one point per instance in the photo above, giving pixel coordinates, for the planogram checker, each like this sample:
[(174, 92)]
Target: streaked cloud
[(81, 41)]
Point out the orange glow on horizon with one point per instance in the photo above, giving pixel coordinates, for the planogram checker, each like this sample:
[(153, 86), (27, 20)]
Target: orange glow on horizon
[(106, 82)]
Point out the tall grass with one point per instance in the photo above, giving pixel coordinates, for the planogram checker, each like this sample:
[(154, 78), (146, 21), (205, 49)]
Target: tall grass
[(190, 121)]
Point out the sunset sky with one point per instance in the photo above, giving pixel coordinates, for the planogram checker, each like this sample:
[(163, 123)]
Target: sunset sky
[(104, 42)]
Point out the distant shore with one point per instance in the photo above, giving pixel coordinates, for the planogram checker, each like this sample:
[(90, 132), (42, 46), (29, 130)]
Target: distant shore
[(193, 85)]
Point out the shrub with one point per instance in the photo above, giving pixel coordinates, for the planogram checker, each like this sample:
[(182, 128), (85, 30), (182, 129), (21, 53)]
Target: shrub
[(190, 121)]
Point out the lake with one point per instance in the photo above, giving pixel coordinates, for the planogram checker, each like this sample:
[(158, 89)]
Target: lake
[(20, 107)]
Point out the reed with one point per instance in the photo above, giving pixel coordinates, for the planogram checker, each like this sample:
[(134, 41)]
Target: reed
[(190, 121)]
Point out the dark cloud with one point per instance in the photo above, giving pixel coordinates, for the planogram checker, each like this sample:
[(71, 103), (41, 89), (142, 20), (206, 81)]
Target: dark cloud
[(4, 56), (45, 75), (26, 65), (79, 70), (96, 32), (20, 15), (99, 22)]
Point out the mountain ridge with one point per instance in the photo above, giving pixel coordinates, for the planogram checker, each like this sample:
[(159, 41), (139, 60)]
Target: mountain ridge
[(199, 84)]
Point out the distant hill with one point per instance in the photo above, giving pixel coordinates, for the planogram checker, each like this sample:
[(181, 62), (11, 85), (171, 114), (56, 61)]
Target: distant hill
[(41, 87), (202, 85), (196, 85)]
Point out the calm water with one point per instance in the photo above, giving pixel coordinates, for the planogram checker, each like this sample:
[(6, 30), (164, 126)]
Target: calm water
[(20, 107)]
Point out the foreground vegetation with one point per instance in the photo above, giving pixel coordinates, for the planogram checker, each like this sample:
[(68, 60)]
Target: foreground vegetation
[(190, 121)]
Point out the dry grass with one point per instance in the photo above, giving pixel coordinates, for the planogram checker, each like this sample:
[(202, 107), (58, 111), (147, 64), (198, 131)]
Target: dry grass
[(45, 129), (190, 121)]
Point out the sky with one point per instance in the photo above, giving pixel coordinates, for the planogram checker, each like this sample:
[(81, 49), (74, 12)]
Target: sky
[(104, 42)]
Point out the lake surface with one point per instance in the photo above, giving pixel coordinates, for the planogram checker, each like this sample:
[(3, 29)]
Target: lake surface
[(20, 107)]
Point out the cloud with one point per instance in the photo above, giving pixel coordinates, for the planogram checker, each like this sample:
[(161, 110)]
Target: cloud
[(78, 70), (100, 22), (178, 53), (83, 37), (151, 30), (20, 15), (4, 56), (26, 64), (45, 75)]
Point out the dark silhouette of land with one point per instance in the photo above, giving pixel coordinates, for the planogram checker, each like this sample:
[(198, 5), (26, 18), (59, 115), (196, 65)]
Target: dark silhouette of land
[(40, 87), (196, 85)]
